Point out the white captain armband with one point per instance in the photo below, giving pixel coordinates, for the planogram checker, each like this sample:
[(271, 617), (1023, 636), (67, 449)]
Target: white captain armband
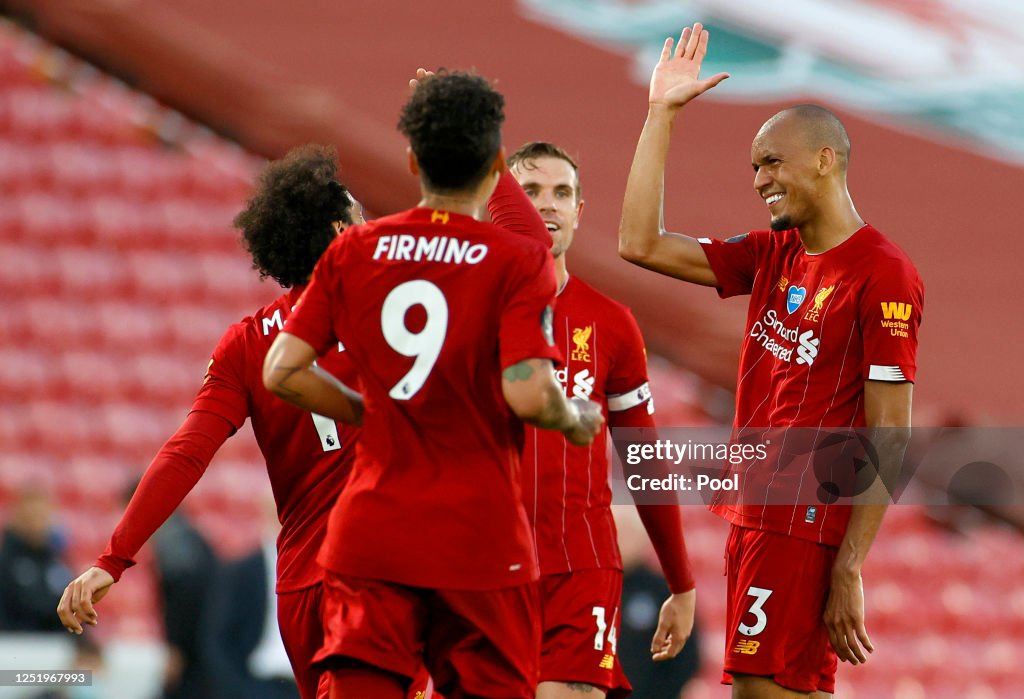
[(879, 372), (630, 399)]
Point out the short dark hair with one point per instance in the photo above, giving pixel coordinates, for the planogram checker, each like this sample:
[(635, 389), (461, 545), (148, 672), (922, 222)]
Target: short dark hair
[(543, 149), (453, 123), (287, 223)]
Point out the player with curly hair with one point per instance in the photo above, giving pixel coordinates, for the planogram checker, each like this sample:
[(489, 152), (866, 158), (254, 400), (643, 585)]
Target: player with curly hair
[(429, 554), (298, 208)]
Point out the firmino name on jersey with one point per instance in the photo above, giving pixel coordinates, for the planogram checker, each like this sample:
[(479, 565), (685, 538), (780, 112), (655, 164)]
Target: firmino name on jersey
[(415, 248)]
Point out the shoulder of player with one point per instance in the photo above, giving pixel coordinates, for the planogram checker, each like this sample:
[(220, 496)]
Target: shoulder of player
[(614, 320), (760, 240), (887, 257), (260, 323), (602, 305)]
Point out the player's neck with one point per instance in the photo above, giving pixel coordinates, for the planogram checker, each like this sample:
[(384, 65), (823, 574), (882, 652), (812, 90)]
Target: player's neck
[(465, 204), (561, 271), (832, 227), (468, 202)]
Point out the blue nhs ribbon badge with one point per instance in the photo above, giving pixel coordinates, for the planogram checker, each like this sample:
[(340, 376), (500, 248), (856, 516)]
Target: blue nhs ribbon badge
[(795, 297)]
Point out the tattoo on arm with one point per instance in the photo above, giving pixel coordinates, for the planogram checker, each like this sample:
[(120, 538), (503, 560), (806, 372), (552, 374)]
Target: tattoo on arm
[(580, 687), (518, 372), (287, 372)]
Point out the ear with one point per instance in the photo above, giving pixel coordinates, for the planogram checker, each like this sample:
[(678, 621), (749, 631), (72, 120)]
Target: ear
[(414, 165), (826, 160), (579, 214)]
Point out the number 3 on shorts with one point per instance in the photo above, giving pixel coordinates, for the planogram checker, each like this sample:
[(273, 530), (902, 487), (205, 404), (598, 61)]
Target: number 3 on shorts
[(760, 596)]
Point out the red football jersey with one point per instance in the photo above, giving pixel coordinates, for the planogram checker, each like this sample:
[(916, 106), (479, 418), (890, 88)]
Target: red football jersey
[(431, 306), (308, 456), (818, 327), (566, 487)]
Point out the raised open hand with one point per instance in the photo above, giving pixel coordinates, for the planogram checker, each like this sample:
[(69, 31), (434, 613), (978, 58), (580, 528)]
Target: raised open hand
[(676, 79)]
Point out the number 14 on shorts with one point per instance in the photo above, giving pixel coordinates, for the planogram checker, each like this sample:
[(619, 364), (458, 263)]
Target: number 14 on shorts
[(602, 627)]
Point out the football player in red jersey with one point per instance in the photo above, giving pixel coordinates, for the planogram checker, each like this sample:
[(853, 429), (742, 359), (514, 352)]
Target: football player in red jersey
[(566, 490), (297, 210), (428, 553), (831, 343)]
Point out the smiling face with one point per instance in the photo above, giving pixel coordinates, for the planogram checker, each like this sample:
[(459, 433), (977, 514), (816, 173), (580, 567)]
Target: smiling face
[(552, 185), (790, 173)]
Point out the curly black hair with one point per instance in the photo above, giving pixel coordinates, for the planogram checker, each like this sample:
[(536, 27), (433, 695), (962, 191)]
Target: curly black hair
[(453, 123), (287, 223)]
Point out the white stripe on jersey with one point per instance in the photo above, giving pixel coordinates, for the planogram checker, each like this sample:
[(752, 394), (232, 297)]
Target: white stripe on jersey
[(879, 372), (630, 399)]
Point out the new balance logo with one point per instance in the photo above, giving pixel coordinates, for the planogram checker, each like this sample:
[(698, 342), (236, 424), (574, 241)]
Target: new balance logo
[(807, 352), (747, 647), (893, 310), (607, 662)]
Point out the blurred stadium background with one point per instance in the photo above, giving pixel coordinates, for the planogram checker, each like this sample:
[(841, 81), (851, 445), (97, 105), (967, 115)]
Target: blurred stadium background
[(130, 132)]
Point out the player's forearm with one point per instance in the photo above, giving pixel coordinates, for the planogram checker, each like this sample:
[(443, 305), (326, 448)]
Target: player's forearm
[(533, 394), (289, 373), (664, 526), (171, 475), (643, 239), (870, 505), (642, 219), (556, 411), (315, 390)]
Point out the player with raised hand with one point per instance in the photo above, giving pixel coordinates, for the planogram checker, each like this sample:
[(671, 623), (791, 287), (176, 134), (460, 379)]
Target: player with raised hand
[(567, 494), (429, 555), (831, 343)]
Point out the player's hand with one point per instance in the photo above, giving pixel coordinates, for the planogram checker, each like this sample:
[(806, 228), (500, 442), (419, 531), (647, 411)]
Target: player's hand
[(844, 617), (589, 421), (675, 624), (676, 79), (421, 74), (76, 604)]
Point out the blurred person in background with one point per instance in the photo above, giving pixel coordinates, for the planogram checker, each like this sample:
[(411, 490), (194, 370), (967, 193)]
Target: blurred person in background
[(32, 572), (831, 344), (240, 638), (185, 565), (567, 495), (643, 589), (88, 656), (298, 208)]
